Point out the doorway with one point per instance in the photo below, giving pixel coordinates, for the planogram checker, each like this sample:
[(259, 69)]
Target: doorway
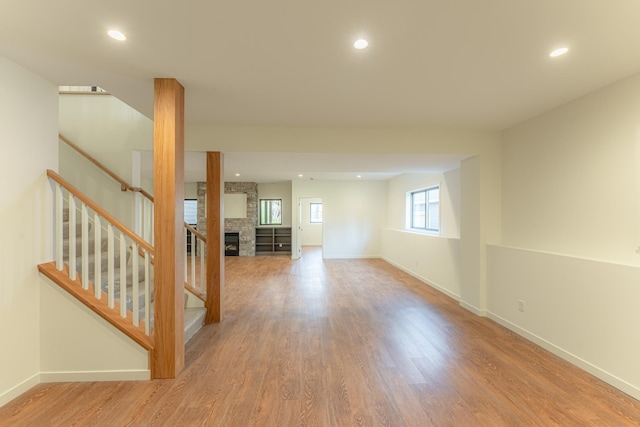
[(310, 223)]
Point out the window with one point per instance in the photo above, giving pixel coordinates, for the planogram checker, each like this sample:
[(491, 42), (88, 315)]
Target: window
[(270, 211), (315, 216), (425, 209), (191, 211)]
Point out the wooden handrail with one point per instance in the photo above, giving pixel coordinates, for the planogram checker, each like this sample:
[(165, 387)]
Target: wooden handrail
[(106, 215), (202, 297), (124, 185), (194, 232), (81, 92), (143, 192)]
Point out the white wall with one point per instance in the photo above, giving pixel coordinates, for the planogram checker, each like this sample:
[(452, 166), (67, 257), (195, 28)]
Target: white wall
[(570, 230), (435, 259), (98, 186), (353, 215), (190, 190), (78, 345), (29, 123), (449, 199), (311, 232), (280, 190), (582, 310), (572, 180), (109, 130)]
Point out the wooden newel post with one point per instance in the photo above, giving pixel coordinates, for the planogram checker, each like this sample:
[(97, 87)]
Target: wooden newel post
[(215, 238), (168, 135)]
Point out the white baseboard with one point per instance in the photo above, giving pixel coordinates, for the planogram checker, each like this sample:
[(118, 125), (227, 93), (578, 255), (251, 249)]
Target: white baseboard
[(472, 308), (605, 376), (354, 257), (16, 391), (424, 280), (84, 376), (59, 377)]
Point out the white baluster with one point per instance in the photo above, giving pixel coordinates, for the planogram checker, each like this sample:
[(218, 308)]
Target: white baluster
[(193, 261), (144, 220), (186, 260), (123, 276), (147, 295), (97, 256), (72, 237), (203, 287), (138, 209), (110, 266), (152, 233), (85, 246), (59, 227), (135, 283)]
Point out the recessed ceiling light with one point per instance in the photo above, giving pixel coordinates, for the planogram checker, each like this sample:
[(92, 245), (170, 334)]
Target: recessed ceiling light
[(300, 175), (115, 34), (558, 52), (361, 44), (237, 174), (358, 176)]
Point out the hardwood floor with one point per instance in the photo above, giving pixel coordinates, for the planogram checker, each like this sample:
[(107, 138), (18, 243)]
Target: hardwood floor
[(341, 343)]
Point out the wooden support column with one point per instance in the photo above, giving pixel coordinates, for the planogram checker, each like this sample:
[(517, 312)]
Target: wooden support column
[(215, 238), (168, 155)]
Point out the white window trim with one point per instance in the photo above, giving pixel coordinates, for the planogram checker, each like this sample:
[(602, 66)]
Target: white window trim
[(310, 212), (409, 211)]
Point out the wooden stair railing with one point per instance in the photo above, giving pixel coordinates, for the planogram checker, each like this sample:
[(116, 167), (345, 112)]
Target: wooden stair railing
[(194, 272), (192, 284), (106, 272), (124, 185)]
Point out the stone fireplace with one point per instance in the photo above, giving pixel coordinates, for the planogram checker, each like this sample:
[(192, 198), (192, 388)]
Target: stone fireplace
[(245, 227)]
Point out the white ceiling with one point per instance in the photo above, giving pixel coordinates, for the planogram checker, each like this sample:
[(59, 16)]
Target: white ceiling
[(278, 167), (464, 64)]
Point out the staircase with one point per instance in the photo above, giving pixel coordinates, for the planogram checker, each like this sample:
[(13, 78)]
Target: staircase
[(98, 269), (110, 268), (134, 293)]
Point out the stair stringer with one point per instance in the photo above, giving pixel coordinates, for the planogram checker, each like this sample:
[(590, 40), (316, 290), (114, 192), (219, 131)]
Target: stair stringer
[(78, 344)]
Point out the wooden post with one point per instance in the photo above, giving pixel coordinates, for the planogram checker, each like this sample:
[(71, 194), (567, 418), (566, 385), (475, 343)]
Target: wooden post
[(168, 155), (215, 238)]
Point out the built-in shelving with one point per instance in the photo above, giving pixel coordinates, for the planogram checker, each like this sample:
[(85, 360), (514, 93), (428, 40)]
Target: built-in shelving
[(273, 241)]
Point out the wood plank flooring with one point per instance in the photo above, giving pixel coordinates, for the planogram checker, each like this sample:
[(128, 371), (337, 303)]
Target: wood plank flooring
[(340, 343)]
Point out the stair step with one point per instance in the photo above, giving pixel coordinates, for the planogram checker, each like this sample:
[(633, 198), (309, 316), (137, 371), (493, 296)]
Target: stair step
[(129, 290), (193, 321), (91, 245), (104, 256), (193, 316), (65, 229)]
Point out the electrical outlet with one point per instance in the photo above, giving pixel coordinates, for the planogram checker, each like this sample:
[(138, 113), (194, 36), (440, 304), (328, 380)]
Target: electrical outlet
[(521, 306)]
